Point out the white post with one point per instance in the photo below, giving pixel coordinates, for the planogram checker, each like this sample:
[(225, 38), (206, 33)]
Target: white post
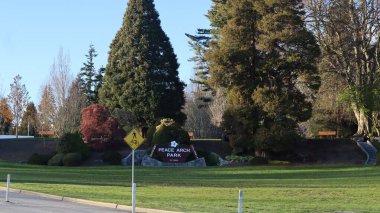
[(240, 207), (8, 185), (133, 183), (134, 198)]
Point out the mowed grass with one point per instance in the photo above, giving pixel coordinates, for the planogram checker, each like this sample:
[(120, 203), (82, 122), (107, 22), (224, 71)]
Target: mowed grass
[(314, 188)]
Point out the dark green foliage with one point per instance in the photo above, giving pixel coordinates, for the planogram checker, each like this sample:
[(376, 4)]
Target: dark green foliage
[(247, 159), (199, 44), (72, 142), (56, 160), (38, 159), (72, 159), (111, 157), (239, 124), (264, 56), (169, 131), (142, 71), (258, 161), (91, 80), (279, 137), (212, 159), (30, 115)]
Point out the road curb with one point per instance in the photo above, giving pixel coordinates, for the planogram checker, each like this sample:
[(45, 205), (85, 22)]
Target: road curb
[(90, 202), (87, 202), (55, 197), (143, 210), (11, 190)]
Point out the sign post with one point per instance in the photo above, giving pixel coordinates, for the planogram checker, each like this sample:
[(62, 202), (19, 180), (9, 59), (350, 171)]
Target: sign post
[(134, 140)]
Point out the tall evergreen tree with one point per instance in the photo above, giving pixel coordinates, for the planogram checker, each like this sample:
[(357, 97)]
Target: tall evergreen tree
[(90, 79), (199, 43), (261, 52), (46, 108), (142, 71), (29, 122)]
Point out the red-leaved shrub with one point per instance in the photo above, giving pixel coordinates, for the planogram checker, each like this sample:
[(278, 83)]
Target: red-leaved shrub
[(99, 129)]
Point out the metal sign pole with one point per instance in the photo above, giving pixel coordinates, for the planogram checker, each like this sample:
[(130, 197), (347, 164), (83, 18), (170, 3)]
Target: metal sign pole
[(134, 140), (133, 183)]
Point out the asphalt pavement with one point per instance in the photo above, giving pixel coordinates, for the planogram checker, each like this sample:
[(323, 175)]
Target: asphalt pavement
[(21, 203)]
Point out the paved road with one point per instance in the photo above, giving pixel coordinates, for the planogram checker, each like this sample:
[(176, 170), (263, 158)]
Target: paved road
[(21, 203)]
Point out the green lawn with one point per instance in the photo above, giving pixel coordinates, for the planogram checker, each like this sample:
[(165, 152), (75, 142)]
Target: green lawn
[(266, 188)]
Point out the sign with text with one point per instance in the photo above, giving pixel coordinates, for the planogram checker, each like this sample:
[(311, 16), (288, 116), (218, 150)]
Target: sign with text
[(174, 152)]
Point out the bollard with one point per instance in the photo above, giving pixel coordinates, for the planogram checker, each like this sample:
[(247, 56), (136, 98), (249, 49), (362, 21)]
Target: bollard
[(8, 185), (240, 206), (133, 197)]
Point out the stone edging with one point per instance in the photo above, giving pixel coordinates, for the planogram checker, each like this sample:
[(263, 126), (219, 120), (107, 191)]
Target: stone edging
[(88, 202)]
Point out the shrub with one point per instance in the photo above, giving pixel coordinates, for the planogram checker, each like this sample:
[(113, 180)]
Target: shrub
[(73, 142), (38, 159), (278, 138), (247, 159), (258, 160), (99, 128), (239, 159), (168, 131), (56, 160), (279, 162), (72, 159), (212, 159), (112, 157)]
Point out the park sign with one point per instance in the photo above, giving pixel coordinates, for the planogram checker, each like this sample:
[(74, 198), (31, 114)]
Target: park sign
[(174, 152), (134, 139)]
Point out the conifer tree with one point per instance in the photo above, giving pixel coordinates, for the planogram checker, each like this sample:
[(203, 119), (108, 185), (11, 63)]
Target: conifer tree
[(29, 122), (46, 108), (90, 80), (142, 71), (199, 43), (261, 53)]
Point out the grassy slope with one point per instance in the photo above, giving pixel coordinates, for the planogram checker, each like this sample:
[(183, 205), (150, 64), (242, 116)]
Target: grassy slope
[(266, 188)]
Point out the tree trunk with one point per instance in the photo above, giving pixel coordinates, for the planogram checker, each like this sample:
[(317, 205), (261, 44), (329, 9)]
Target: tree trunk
[(375, 123), (362, 120), (16, 130)]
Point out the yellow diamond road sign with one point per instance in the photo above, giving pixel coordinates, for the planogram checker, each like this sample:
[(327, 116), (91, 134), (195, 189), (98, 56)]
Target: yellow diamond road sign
[(134, 139)]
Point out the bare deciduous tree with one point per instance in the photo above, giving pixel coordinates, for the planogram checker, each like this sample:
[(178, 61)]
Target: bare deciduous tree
[(60, 77), (60, 80), (198, 118), (348, 32), (218, 107), (70, 114), (18, 98)]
